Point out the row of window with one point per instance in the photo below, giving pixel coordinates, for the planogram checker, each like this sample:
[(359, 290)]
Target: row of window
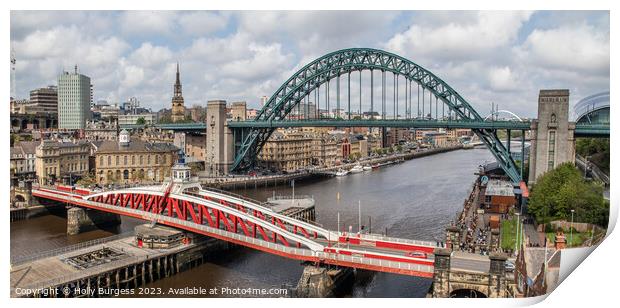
[(132, 158), (551, 152)]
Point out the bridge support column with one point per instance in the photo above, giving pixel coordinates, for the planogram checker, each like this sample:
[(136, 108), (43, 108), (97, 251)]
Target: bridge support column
[(219, 143), (441, 275), (322, 282), (553, 136), (80, 220), (497, 275)]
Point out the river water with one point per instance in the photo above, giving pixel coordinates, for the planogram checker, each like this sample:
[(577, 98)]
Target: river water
[(415, 199)]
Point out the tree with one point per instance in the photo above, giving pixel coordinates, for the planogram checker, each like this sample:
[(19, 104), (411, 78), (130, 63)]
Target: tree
[(596, 150), (165, 119), (563, 189), (86, 180), (141, 121)]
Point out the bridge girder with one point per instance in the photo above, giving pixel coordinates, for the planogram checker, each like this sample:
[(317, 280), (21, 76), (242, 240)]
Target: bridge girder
[(345, 61), (177, 203)]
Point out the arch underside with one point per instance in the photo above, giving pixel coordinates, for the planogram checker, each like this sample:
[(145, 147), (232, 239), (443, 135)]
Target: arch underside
[(339, 63), (467, 293)]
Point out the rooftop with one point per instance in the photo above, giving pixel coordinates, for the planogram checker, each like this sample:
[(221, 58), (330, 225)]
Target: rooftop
[(497, 187)]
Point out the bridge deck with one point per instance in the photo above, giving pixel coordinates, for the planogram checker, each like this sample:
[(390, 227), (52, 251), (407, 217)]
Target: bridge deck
[(372, 252)]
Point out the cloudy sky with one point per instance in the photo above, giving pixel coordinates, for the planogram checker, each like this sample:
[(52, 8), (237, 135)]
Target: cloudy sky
[(501, 57)]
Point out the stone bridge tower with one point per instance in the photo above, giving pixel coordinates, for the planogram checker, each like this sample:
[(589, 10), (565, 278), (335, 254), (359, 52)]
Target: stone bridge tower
[(219, 144), (553, 140)]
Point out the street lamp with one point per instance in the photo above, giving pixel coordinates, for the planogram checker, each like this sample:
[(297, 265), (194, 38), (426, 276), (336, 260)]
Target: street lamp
[(572, 214)]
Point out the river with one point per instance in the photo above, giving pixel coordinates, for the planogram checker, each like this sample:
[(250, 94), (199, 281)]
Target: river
[(415, 199)]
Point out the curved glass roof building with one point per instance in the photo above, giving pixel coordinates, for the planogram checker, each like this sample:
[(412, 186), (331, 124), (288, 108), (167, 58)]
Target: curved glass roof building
[(593, 109)]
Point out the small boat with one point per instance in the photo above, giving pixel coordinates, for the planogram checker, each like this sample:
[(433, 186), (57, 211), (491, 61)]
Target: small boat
[(341, 172), (367, 168), (357, 169), (376, 166)]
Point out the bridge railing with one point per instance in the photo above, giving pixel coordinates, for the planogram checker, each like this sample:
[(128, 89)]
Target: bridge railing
[(256, 202), (221, 191), (17, 260), (380, 237)]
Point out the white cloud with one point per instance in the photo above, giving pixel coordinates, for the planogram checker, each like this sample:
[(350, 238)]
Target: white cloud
[(502, 57), (581, 48), (133, 76), (502, 79), (203, 23), (460, 39), (144, 23), (263, 62), (148, 55)]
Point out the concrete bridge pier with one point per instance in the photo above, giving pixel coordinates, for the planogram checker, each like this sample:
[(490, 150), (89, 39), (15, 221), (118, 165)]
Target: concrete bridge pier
[(319, 281), (81, 220)]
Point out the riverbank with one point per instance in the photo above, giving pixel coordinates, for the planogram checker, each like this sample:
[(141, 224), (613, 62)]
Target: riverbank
[(244, 182)]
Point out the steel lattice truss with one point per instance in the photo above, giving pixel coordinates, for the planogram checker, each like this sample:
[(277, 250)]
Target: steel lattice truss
[(342, 62), (251, 224)]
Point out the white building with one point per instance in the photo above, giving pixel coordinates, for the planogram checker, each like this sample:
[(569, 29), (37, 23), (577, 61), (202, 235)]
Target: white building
[(73, 100), (130, 119)]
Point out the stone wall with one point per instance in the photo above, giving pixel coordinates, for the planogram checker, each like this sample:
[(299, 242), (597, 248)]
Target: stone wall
[(81, 220)]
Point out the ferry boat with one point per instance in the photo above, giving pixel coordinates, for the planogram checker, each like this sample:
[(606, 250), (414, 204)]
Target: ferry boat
[(357, 169), (367, 168)]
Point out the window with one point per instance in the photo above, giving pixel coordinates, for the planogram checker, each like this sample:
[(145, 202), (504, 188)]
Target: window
[(551, 152), (109, 160), (141, 159), (125, 160), (101, 160), (133, 159), (553, 118), (116, 159)]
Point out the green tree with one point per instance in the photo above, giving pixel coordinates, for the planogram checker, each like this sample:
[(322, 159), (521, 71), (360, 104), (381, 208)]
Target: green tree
[(596, 150), (165, 119), (86, 180), (141, 121), (563, 189), (526, 169)]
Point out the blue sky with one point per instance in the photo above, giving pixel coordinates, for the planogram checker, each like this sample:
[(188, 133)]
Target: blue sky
[(502, 57)]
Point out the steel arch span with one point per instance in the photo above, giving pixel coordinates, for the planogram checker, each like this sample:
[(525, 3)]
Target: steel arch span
[(346, 61)]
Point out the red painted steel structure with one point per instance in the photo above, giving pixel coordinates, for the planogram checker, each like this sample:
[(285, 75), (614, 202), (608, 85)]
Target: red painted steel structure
[(255, 222)]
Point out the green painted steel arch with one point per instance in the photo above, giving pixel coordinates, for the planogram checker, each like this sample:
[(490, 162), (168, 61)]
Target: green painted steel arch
[(345, 61)]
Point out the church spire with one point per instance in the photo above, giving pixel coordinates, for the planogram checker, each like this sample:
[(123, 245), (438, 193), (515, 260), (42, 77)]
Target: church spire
[(177, 84)]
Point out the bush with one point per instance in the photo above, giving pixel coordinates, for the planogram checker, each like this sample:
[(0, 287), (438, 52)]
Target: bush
[(563, 189)]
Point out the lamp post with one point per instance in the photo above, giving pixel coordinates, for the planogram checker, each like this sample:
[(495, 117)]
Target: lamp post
[(572, 215)]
